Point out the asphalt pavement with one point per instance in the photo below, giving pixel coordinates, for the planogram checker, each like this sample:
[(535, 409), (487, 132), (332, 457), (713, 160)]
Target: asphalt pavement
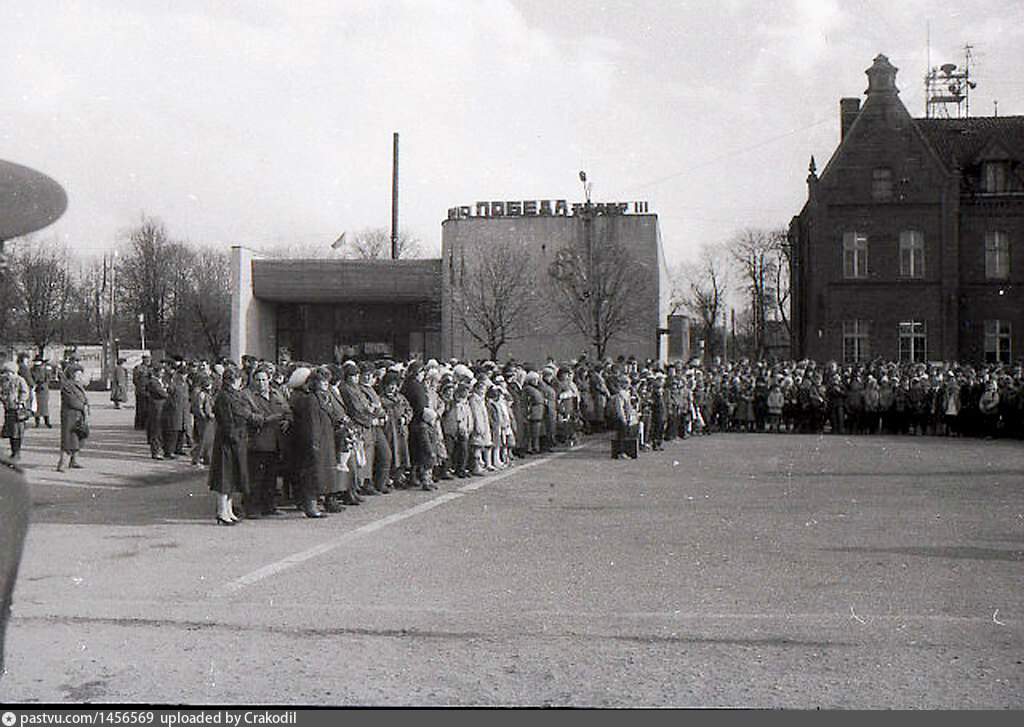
[(735, 570)]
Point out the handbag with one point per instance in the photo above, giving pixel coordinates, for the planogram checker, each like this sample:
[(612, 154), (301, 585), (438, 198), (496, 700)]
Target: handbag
[(81, 429), (23, 414), (359, 452)]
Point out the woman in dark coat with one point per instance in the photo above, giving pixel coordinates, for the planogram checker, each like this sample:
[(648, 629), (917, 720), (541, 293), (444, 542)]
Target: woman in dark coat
[(311, 443), (229, 468), (74, 409)]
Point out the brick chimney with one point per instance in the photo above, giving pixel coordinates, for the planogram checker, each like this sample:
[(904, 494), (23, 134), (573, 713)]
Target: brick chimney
[(881, 76), (848, 110)]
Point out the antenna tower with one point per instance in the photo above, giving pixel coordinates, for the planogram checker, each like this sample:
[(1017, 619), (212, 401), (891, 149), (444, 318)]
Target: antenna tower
[(947, 89)]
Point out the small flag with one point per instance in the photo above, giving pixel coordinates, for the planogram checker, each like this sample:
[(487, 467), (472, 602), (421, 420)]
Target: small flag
[(339, 242)]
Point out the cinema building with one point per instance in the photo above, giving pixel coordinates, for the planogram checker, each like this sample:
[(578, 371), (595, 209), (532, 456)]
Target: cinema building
[(325, 310), (911, 243)]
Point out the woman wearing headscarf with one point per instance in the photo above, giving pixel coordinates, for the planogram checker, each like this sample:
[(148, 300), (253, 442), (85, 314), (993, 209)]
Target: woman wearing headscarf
[(311, 442), (399, 414), (229, 468), (15, 394), (74, 412)]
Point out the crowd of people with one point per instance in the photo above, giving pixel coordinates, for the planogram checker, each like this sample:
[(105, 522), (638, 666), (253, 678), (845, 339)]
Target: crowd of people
[(324, 437)]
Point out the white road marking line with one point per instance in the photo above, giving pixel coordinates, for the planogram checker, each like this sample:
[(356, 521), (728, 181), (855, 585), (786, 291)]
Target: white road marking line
[(326, 547), (56, 483), (296, 558), (518, 468)]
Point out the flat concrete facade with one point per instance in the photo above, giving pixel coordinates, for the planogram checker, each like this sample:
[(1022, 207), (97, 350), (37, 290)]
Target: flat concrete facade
[(540, 238), (323, 310)]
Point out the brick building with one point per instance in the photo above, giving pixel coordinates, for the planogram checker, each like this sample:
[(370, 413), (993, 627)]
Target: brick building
[(911, 243)]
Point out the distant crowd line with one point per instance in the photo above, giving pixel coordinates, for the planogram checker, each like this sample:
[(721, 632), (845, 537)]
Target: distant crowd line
[(325, 436)]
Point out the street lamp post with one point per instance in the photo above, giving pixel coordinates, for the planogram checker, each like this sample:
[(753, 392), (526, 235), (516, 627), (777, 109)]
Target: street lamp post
[(588, 240)]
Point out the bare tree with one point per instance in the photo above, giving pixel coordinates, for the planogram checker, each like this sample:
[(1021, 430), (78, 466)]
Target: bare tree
[(596, 288), (754, 253), (211, 299), (150, 277), (10, 298), (498, 290), (701, 289), (781, 281), (375, 244), (40, 277)]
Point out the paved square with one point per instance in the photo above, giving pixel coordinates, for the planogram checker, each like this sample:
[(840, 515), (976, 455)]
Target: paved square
[(726, 571)]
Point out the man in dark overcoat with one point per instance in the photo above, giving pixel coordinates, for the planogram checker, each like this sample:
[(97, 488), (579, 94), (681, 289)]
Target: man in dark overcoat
[(175, 414), (43, 374), (156, 396), (265, 444), (140, 380), (119, 385), (420, 449)]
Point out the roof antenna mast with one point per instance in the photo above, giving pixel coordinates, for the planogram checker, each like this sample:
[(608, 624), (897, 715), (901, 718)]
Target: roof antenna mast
[(948, 89)]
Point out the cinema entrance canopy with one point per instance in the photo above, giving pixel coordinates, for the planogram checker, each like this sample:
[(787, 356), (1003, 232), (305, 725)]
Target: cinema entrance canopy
[(327, 310)]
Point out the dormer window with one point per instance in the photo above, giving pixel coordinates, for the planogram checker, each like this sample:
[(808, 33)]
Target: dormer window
[(881, 184), (996, 177)]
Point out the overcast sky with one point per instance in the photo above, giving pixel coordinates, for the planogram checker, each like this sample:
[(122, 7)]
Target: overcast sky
[(262, 122)]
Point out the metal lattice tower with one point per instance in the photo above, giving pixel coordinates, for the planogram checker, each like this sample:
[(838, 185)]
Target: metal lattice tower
[(947, 90)]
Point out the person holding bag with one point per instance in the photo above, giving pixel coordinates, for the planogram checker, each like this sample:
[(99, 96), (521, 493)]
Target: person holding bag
[(74, 412), (16, 395)]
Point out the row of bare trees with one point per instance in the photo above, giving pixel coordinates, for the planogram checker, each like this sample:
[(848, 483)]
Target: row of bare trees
[(753, 265), (592, 287), (52, 294)]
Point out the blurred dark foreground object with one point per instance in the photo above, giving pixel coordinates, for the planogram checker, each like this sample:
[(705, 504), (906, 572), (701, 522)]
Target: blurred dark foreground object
[(14, 505), (29, 200)]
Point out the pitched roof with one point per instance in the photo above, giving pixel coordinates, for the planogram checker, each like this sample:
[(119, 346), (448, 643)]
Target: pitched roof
[(958, 142)]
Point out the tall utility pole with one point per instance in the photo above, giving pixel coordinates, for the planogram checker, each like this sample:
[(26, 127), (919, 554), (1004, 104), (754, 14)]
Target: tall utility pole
[(112, 347), (394, 198), (588, 240)]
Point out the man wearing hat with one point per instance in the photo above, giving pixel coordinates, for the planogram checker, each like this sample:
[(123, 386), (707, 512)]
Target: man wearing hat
[(378, 453), (420, 449), (119, 385), (43, 374), (546, 386), (140, 381)]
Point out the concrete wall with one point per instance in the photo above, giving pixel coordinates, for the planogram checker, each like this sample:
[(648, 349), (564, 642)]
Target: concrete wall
[(541, 237), (253, 322)]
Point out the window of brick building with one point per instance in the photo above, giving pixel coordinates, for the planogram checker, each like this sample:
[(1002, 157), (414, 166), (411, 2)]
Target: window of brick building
[(855, 255), (912, 254), (996, 177), (856, 341), (997, 255), (881, 184), (997, 341), (913, 341)]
